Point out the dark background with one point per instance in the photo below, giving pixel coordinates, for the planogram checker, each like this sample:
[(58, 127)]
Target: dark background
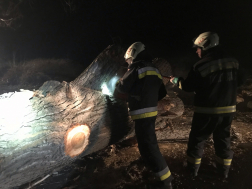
[(49, 29)]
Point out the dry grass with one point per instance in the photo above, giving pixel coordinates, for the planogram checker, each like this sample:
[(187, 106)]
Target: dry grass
[(36, 72)]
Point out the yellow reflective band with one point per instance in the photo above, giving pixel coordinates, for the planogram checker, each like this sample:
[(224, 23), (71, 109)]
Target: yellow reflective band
[(142, 75), (215, 110), (143, 110), (194, 160), (197, 162), (180, 86), (224, 161), (144, 115), (165, 176), (227, 161)]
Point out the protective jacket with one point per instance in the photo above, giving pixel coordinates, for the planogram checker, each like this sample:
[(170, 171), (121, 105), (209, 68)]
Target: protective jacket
[(214, 80), (145, 87)]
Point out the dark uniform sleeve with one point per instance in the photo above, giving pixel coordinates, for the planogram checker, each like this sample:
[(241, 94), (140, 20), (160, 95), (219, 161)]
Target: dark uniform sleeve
[(193, 82), (126, 82), (162, 92)]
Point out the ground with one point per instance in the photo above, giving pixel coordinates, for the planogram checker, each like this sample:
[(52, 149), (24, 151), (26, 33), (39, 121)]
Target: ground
[(120, 165)]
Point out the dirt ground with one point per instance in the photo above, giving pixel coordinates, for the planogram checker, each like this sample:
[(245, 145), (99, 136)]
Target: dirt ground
[(120, 166)]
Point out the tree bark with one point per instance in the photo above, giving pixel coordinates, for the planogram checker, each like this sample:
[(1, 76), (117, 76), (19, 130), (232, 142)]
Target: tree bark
[(43, 131), (35, 140)]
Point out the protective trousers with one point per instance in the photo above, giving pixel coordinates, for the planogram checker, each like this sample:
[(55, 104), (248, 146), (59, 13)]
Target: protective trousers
[(203, 125), (149, 149)]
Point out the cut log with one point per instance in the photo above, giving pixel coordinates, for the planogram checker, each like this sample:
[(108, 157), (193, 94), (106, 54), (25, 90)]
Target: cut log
[(43, 131)]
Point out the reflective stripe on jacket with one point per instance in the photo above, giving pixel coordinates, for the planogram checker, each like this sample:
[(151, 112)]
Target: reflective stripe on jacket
[(143, 113), (143, 82), (217, 65), (148, 71)]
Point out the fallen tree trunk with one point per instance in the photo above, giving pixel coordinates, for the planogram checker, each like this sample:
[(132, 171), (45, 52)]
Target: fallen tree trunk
[(43, 131)]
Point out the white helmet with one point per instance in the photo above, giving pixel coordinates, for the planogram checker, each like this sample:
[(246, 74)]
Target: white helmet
[(206, 40), (134, 50)]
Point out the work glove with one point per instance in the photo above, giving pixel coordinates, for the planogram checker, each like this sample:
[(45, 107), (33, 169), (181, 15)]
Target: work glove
[(174, 80)]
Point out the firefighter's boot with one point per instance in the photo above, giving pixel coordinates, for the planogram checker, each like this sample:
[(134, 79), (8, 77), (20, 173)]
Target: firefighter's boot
[(222, 170), (193, 168)]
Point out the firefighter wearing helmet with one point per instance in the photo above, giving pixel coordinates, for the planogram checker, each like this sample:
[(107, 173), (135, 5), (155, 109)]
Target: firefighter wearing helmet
[(214, 80), (143, 84)]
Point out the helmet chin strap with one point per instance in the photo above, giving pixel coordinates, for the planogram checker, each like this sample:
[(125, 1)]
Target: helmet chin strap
[(129, 60), (203, 52)]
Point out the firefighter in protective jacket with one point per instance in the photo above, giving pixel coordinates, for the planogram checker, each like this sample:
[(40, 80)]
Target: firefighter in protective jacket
[(214, 80), (143, 84)]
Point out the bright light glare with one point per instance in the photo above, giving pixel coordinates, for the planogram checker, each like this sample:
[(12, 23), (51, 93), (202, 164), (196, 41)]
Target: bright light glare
[(105, 89), (15, 111), (109, 87)]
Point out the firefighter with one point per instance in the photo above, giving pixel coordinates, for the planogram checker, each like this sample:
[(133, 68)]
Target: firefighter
[(143, 84), (214, 80)]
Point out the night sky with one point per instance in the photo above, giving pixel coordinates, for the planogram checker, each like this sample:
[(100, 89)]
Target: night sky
[(167, 28)]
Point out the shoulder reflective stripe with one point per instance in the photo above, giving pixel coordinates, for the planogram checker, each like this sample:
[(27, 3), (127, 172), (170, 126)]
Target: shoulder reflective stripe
[(223, 161), (219, 61), (194, 160), (144, 110), (148, 71), (140, 76), (142, 70), (144, 115), (215, 110), (217, 65)]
